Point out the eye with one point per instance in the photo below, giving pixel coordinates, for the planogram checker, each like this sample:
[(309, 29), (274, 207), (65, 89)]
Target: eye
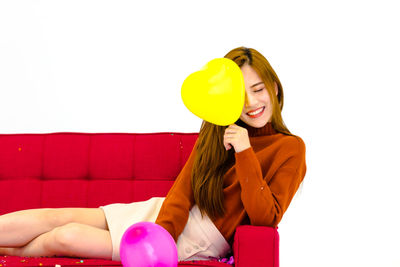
[(259, 90)]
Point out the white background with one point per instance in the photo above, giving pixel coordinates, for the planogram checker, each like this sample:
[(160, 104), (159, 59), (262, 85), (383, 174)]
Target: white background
[(117, 66)]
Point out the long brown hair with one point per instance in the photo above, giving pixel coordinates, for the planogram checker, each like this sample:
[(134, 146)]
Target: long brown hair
[(212, 160)]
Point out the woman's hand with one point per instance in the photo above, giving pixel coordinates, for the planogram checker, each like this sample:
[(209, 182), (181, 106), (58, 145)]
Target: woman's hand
[(237, 137)]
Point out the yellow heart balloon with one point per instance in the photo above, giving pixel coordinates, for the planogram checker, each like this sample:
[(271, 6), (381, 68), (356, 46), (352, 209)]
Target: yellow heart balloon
[(216, 92)]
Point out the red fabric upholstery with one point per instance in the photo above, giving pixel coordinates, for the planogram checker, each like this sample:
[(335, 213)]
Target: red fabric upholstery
[(92, 169)]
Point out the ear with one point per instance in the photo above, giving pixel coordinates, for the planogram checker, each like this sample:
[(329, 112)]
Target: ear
[(276, 88)]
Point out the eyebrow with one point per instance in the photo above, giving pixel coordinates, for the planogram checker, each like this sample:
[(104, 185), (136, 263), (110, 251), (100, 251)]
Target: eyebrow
[(256, 84)]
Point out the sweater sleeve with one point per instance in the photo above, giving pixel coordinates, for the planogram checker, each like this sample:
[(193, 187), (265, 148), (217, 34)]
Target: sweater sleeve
[(266, 202), (175, 209)]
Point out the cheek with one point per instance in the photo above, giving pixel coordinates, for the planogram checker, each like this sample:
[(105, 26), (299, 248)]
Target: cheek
[(268, 104), (242, 116), (243, 113), (265, 99)]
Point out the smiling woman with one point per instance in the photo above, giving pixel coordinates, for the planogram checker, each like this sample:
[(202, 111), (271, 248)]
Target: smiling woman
[(244, 173), (261, 111)]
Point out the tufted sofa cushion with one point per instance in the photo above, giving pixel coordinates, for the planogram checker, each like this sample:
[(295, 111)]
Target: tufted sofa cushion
[(88, 169)]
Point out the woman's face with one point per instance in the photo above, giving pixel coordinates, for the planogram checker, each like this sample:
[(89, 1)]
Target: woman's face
[(257, 110)]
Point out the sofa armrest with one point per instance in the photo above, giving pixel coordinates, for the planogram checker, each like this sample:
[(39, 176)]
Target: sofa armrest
[(256, 246)]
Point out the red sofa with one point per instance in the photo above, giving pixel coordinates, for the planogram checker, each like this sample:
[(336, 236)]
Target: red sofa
[(69, 169)]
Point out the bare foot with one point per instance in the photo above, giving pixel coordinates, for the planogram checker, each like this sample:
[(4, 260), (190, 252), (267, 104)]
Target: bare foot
[(7, 251)]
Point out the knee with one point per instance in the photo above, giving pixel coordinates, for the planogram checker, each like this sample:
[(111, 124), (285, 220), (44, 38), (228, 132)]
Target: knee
[(63, 238)]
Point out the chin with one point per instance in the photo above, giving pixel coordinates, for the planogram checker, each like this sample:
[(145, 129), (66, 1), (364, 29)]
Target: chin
[(255, 124), (259, 125)]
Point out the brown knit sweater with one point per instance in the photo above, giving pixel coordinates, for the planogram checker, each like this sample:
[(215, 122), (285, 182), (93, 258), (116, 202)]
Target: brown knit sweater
[(257, 189)]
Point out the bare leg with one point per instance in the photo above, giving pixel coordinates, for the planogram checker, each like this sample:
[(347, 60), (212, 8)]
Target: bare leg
[(73, 240), (20, 227)]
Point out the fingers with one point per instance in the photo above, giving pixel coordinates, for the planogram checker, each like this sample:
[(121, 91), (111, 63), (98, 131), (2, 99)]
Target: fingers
[(230, 131), (234, 135), (227, 145), (226, 142)]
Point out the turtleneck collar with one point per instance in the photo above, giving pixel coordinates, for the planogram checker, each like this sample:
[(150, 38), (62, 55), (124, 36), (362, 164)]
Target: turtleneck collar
[(267, 129)]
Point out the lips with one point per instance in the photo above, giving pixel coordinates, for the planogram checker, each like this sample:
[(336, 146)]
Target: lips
[(255, 111)]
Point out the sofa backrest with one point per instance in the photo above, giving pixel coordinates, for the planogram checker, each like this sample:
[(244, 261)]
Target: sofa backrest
[(70, 169)]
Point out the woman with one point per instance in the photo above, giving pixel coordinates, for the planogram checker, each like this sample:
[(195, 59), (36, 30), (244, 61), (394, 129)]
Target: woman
[(244, 173)]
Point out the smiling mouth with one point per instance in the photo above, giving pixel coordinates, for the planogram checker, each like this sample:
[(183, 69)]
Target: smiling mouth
[(256, 113)]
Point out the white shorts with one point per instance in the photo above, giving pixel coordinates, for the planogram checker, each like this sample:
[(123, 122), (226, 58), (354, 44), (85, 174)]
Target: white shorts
[(199, 240)]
